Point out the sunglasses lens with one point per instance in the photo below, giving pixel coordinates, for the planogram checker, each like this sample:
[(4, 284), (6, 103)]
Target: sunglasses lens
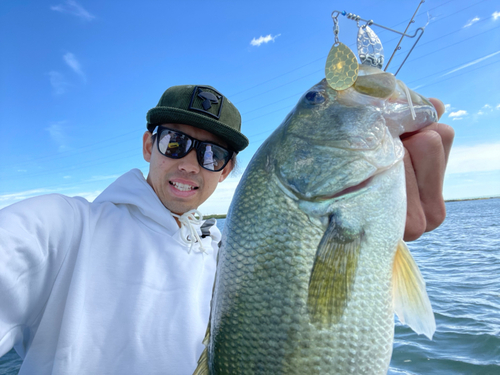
[(173, 144), (213, 157), (176, 145)]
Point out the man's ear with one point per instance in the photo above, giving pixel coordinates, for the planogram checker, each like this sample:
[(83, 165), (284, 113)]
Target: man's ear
[(225, 172), (147, 146)]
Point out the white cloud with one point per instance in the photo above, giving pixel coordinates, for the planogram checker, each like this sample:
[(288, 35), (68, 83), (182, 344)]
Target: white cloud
[(478, 158), (447, 107), (472, 21), (485, 109), (73, 63), (58, 82), (471, 63), (263, 39), (8, 199), (58, 134), (472, 185), (496, 15), (22, 194), (72, 7), (498, 106), (459, 113)]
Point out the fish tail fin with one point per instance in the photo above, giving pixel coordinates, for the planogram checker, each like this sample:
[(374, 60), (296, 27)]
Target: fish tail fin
[(411, 302)]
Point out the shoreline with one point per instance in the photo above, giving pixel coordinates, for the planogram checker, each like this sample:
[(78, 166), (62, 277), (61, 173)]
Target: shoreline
[(469, 199), (223, 216), (215, 216)]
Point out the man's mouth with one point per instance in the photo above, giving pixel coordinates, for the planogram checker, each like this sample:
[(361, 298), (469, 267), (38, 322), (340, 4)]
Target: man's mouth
[(182, 187)]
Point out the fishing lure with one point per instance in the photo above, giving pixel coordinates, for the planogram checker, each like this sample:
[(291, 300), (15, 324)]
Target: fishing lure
[(341, 69)]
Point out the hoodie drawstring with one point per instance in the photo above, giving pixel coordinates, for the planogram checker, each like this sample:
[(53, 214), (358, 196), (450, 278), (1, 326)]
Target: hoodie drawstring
[(187, 221)]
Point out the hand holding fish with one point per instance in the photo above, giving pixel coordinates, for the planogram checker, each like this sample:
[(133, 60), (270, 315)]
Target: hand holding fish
[(426, 156)]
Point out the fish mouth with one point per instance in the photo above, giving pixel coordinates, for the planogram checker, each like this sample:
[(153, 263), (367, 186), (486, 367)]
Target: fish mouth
[(363, 185), (348, 190)]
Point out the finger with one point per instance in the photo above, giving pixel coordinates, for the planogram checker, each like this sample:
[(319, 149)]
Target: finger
[(415, 217), (427, 154), (446, 133), (439, 106)]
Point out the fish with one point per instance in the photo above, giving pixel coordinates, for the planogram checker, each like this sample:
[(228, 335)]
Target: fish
[(312, 265)]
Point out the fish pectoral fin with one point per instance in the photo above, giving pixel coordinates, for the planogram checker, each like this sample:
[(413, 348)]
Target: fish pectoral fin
[(411, 302), (333, 273)]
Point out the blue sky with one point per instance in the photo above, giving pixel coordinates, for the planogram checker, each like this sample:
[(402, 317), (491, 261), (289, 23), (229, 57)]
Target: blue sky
[(77, 78)]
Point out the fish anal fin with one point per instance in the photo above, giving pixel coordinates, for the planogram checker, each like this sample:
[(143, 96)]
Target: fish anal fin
[(333, 273), (411, 302)]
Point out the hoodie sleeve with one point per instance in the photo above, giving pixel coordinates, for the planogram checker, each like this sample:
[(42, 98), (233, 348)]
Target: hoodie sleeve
[(35, 237)]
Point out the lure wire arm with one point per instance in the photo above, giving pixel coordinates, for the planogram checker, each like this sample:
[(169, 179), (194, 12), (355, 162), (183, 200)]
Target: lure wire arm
[(354, 17)]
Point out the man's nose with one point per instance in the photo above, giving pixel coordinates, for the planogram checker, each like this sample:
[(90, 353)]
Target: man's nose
[(189, 163)]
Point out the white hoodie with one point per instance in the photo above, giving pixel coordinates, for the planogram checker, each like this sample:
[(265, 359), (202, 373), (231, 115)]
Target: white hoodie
[(103, 288)]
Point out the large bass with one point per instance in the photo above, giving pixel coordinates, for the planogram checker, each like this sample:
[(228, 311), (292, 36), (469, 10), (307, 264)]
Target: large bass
[(312, 265)]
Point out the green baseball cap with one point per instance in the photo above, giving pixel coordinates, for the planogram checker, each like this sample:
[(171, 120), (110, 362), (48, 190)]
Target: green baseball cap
[(202, 107)]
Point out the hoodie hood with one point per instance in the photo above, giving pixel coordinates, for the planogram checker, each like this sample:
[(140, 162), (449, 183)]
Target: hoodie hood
[(133, 190)]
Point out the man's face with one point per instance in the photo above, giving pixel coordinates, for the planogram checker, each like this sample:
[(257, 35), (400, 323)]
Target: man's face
[(182, 184)]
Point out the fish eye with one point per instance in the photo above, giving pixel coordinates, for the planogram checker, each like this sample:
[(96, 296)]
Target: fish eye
[(315, 97)]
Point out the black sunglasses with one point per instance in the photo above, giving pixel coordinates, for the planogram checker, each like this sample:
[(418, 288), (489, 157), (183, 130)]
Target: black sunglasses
[(175, 145)]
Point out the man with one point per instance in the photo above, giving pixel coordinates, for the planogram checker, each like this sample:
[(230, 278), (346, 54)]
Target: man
[(123, 285)]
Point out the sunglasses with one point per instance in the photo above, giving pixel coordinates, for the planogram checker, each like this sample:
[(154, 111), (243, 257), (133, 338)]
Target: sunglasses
[(175, 145)]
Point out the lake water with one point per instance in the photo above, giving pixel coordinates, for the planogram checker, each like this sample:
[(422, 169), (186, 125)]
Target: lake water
[(460, 262)]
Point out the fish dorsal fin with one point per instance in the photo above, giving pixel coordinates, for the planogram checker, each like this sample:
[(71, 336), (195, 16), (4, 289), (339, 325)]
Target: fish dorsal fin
[(411, 302), (333, 273)]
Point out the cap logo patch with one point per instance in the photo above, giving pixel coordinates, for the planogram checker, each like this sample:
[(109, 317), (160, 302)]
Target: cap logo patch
[(206, 100)]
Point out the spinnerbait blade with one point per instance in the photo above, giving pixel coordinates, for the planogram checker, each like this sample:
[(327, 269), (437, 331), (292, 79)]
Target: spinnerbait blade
[(341, 69), (370, 50)]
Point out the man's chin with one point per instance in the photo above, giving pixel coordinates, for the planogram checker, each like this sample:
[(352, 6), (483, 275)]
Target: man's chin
[(178, 209)]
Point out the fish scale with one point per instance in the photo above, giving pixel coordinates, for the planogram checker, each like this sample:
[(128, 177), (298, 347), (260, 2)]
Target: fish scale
[(279, 305)]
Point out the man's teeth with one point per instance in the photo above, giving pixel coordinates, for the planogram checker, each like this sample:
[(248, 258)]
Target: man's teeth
[(182, 187)]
